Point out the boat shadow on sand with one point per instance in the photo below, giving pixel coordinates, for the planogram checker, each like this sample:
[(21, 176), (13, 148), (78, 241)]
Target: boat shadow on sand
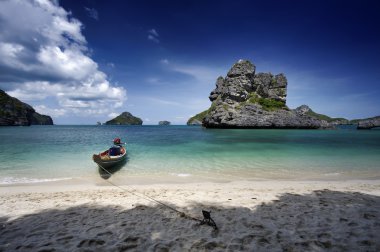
[(106, 173)]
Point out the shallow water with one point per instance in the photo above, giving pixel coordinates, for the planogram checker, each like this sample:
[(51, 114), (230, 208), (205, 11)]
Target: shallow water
[(42, 153)]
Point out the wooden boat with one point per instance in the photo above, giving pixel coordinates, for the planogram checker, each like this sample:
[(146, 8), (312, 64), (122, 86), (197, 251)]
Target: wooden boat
[(104, 160)]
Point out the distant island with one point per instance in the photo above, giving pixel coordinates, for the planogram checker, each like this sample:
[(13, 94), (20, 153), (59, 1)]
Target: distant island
[(368, 123), (13, 112), (125, 118), (246, 99), (163, 123)]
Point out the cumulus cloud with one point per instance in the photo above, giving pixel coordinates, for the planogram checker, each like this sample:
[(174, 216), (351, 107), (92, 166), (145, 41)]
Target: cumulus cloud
[(153, 35), (42, 109), (113, 115), (44, 55)]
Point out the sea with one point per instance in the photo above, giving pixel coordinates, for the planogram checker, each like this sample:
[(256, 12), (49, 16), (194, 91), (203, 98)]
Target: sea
[(38, 154)]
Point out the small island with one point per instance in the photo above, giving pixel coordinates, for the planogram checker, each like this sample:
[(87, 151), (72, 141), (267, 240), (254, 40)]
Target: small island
[(125, 118), (246, 99), (164, 123), (14, 112)]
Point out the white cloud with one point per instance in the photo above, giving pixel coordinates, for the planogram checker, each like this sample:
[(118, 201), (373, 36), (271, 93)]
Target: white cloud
[(153, 38), (153, 80), (38, 90), (45, 57), (42, 109), (66, 63), (164, 61), (204, 75), (92, 13), (110, 64), (164, 102), (10, 51), (153, 35), (113, 115), (198, 72), (153, 32)]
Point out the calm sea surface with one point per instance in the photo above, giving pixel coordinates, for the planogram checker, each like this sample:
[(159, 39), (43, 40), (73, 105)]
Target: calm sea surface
[(45, 153)]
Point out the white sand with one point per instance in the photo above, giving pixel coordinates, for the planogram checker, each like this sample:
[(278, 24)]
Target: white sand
[(251, 216)]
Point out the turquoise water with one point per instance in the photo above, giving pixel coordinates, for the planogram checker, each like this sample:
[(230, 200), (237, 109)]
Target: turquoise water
[(42, 153)]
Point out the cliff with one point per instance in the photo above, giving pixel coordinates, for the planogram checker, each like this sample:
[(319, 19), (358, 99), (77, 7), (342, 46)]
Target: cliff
[(13, 112), (246, 99), (125, 118)]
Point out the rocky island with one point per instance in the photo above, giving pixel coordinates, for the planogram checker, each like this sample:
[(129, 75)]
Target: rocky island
[(163, 123), (13, 112), (246, 99), (369, 123), (125, 118)]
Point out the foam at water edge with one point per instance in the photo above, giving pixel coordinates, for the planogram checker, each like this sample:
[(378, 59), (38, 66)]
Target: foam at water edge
[(332, 174), (181, 174), (12, 180)]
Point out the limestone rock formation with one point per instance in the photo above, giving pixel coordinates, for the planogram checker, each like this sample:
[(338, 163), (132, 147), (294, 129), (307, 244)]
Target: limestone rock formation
[(125, 118), (13, 112), (163, 123), (369, 123), (246, 99)]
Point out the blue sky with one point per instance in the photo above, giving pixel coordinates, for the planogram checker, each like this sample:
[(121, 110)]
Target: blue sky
[(87, 61)]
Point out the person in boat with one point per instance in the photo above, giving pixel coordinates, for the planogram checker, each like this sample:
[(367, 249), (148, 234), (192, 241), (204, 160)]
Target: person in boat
[(115, 150)]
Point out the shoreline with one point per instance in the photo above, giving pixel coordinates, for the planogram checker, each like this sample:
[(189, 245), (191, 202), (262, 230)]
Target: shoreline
[(78, 184)]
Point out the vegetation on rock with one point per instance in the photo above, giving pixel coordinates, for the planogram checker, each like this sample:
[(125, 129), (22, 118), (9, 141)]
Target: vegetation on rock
[(198, 118), (324, 117), (268, 104)]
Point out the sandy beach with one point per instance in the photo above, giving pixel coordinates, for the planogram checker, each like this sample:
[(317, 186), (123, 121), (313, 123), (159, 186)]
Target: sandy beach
[(250, 216)]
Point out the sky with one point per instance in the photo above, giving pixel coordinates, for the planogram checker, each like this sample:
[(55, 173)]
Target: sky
[(83, 61)]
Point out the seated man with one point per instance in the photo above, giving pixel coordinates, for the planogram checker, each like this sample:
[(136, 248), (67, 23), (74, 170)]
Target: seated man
[(114, 150)]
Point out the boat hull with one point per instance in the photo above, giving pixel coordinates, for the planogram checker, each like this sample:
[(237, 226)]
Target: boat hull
[(106, 162)]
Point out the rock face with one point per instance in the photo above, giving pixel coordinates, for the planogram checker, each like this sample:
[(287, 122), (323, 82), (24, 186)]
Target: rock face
[(125, 118), (13, 112), (369, 123), (245, 99), (163, 123)]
